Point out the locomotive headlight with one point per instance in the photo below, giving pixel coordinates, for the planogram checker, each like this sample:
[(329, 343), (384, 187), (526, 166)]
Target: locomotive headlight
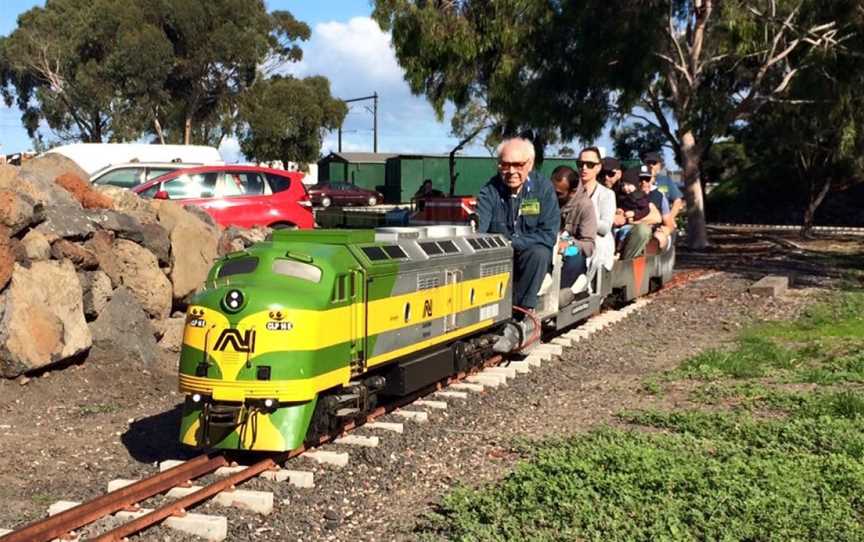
[(233, 301), (196, 397), (268, 403)]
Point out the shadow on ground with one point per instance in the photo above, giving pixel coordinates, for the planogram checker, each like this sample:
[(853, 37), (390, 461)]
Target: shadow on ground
[(156, 438), (751, 256)]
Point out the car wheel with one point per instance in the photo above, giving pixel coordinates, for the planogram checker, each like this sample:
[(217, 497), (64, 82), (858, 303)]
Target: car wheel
[(372, 201), (283, 226), (325, 202)]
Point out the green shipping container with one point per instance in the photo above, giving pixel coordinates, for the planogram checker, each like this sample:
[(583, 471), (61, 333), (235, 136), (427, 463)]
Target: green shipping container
[(364, 169)]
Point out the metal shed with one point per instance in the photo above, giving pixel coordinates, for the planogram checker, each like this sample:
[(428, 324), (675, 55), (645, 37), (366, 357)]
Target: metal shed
[(364, 169), (405, 173)]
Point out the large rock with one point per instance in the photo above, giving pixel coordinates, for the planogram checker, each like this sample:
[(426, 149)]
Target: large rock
[(194, 247), (234, 239), (36, 178), (83, 192), (151, 236), (7, 261), (36, 246), (102, 245), (82, 257), (170, 333), (43, 318), (97, 290), (66, 222), (130, 203), (138, 270), (17, 210), (123, 333)]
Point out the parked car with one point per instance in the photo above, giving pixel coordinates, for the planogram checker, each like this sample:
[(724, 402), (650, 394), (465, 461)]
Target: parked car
[(132, 174), (339, 193), (242, 196), (92, 157)]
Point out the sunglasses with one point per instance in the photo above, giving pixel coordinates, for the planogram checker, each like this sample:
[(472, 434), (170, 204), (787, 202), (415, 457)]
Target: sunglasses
[(644, 179), (516, 165), (651, 162), (608, 173), (584, 164)]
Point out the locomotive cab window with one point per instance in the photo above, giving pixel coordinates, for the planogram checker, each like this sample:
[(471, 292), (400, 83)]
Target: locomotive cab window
[(237, 267), (297, 270)]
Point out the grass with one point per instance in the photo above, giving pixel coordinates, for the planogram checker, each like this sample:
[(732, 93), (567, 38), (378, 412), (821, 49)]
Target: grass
[(778, 462)]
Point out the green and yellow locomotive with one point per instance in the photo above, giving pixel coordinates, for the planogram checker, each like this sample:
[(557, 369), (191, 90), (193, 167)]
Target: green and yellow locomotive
[(297, 334)]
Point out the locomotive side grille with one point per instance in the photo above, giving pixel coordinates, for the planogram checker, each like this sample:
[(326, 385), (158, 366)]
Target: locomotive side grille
[(425, 282), (489, 269)]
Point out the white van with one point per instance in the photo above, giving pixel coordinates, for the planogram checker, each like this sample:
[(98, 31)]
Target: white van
[(93, 157)]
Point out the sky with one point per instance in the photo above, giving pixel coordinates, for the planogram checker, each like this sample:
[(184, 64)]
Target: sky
[(347, 47)]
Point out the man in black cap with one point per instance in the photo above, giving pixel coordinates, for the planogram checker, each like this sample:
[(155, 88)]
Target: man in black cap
[(663, 231), (611, 173), (635, 218), (654, 162)]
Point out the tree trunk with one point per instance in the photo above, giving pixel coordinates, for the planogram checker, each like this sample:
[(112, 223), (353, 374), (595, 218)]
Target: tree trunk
[(187, 132), (697, 234), (158, 127), (815, 200)]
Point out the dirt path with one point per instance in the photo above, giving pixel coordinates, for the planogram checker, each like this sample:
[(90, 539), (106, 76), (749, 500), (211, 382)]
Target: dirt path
[(66, 434)]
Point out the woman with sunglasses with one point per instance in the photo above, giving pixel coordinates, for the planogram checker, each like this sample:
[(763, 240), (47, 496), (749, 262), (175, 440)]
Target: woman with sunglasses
[(589, 164)]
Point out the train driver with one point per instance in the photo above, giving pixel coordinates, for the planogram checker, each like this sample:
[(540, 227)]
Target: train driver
[(520, 204)]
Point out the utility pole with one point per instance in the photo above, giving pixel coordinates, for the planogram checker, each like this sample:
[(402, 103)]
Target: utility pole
[(374, 98)]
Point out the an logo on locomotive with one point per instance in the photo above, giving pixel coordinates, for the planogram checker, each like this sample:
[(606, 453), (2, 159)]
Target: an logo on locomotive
[(239, 342)]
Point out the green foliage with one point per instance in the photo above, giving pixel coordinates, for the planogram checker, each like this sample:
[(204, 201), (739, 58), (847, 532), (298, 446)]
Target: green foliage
[(630, 141), (825, 345), (84, 67), (97, 70), (715, 478), (783, 465), (283, 118), (549, 66)]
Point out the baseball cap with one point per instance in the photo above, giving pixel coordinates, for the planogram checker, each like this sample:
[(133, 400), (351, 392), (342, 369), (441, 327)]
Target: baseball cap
[(610, 163), (651, 157), (644, 171)]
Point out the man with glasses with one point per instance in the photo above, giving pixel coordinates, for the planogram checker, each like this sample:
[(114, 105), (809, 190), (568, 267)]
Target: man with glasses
[(610, 173), (664, 184), (664, 230), (521, 205)]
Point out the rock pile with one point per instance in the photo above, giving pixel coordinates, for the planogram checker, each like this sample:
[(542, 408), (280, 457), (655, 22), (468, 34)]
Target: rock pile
[(96, 273)]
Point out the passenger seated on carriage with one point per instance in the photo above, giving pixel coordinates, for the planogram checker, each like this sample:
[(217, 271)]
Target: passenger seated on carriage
[(665, 228), (635, 217), (578, 224), (520, 204)]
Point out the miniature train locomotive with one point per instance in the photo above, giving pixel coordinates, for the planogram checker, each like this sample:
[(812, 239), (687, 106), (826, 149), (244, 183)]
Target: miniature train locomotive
[(295, 335)]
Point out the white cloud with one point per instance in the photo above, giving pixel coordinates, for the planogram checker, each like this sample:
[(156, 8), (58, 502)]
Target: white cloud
[(358, 59)]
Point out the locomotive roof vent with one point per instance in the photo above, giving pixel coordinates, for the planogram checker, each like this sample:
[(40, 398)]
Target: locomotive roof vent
[(439, 232), (396, 233)]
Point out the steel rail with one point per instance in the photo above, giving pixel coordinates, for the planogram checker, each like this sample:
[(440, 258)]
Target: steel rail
[(178, 507), (60, 524)]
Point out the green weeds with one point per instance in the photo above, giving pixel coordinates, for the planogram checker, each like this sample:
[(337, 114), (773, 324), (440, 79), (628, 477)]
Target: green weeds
[(779, 457)]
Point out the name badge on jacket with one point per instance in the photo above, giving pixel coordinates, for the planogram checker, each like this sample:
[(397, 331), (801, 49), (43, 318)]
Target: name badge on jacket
[(529, 207)]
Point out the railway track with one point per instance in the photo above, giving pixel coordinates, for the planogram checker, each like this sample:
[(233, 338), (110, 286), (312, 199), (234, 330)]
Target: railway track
[(127, 498)]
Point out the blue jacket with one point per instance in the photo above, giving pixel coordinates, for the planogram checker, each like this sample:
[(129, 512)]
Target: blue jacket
[(530, 218)]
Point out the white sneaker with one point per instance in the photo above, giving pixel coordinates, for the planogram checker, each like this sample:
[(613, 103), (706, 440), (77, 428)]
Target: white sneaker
[(580, 284)]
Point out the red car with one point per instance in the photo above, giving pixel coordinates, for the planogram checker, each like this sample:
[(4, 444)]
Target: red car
[(242, 196), (341, 193)]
